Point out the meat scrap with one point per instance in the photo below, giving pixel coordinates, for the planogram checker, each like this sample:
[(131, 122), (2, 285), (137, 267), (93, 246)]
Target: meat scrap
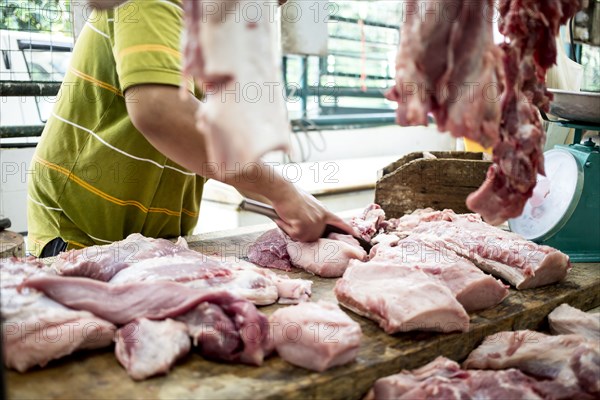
[(147, 348), (234, 60), (36, 329), (448, 65), (444, 379), (570, 364), (566, 320), (316, 336), (400, 299)]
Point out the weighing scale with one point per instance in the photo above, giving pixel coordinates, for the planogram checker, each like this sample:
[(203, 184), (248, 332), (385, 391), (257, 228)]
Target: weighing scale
[(564, 210)]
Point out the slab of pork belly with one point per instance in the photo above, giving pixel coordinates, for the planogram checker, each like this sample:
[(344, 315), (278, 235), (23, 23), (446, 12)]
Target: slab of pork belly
[(202, 272), (316, 336), (566, 320), (569, 363), (36, 329), (503, 254), (327, 257), (147, 348), (400, 299), (472, 288)]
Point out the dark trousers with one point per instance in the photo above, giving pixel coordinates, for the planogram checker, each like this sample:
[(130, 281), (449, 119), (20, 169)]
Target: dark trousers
[(53, 247)]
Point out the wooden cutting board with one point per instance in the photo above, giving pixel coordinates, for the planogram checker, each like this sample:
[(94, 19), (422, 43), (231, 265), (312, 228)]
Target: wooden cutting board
[(97, 374)]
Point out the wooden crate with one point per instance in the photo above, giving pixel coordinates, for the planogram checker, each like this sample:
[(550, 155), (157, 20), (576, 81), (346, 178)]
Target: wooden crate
[(430, 179)]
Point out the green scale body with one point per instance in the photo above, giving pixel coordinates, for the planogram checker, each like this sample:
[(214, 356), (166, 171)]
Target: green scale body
[(579, 235)]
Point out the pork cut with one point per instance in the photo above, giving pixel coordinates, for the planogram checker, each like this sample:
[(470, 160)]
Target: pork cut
[(448, 65), (569, 363), (400, 299), (36, 329), (234, 60), (147, 348), (105, 261), (326, 257), (473, 289), (444, 379), (503, 254), (227, 328), (316, 336), (141, 259), (566, 320)]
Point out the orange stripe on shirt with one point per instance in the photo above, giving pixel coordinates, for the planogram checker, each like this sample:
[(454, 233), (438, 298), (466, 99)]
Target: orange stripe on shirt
[(95, 81)]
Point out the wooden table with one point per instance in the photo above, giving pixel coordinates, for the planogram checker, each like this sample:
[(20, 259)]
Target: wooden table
[(97, 374)]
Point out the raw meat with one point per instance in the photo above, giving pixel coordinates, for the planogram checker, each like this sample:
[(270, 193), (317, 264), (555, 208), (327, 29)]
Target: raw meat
[(270, 250), (122, 303), (473, 289), (570, 363), (103, 262), (566, 319), (138, 259), (326, 257), (316, 336), (202, 272), (530, 26), (229, 329), (292, 291), (36, 329), (443, 379), (243, 115), (404, 225), (147, 348), (447, 64), (503, 254), (400, 299), (370, 222)]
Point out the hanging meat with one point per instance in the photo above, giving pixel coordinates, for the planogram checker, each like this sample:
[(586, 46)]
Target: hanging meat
[(449, 66), (231, 53)]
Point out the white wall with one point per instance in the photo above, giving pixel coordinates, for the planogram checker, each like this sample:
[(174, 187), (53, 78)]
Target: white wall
[(14, 165), (371, 142)]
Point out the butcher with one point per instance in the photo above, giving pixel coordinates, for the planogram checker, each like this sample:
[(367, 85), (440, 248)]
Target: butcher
[(121, 153)]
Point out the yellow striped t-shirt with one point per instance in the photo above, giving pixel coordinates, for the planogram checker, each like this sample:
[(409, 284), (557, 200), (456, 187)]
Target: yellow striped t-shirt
[(95, 178)]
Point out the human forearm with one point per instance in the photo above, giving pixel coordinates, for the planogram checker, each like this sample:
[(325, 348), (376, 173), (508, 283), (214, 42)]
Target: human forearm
[(168, 122)]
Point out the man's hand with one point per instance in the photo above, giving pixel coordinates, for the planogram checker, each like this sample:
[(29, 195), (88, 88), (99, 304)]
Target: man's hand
[(303, 217)]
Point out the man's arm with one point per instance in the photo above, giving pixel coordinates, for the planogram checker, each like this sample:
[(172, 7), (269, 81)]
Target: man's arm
[(168, 122)]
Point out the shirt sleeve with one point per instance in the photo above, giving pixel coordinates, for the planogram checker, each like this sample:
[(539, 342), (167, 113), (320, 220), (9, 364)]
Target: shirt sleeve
[(147, 40)]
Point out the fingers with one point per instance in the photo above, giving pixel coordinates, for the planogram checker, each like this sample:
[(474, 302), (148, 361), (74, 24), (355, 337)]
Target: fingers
[(302, 232), (334, 220)]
